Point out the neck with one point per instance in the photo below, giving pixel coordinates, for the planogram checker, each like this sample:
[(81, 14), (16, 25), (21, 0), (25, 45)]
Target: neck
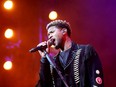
[(67, 44)]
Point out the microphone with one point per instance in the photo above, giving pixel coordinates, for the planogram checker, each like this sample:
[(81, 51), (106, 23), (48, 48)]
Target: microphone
[(41, 47), (37, 48)]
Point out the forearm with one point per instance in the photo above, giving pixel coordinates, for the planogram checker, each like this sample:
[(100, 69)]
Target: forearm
[(45, 75)]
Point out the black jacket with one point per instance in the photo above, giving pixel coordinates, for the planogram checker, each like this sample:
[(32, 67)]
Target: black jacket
[(85, 71)]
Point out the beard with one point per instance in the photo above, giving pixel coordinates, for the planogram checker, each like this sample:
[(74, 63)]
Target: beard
[(59, 44), (57, 47)]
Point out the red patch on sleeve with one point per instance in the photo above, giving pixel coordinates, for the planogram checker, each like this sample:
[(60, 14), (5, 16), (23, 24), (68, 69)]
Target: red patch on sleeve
[(99, 80)]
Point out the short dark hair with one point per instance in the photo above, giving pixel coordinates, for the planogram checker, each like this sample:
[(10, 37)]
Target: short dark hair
[(60, 24)]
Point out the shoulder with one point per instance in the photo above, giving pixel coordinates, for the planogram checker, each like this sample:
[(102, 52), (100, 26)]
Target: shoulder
[(88, 49)]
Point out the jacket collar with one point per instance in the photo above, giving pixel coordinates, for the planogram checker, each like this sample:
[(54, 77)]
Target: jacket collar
[(72, 54), (71, 57)]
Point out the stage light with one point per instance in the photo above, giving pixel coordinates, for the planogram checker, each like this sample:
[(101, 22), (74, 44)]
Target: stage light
[(8, 33), (7, 65), (8, 4), (53, 15)]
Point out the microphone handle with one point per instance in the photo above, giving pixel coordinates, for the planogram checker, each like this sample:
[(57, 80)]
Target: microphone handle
[(42, 47), (38, 48)]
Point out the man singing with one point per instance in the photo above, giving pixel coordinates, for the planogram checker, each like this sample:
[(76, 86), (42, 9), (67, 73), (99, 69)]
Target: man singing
[(79, 65)]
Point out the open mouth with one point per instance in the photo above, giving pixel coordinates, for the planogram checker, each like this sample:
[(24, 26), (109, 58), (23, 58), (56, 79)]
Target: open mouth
[(51, 41)]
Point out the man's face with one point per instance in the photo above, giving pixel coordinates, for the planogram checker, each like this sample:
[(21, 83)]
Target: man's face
[(56, 35)]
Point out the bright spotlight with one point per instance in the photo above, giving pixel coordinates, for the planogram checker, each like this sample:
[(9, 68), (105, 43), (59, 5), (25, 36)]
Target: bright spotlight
[(7, 65), (8, 33), (53, 15), (8, 4)]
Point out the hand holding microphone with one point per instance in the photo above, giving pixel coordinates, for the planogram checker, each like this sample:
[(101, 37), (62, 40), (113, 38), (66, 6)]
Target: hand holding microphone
[(43, 46)]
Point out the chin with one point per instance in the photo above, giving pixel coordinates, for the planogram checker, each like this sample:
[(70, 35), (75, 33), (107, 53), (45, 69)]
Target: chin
[(57, 47)]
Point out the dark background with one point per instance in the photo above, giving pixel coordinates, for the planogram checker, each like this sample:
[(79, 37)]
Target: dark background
[(92, 22)]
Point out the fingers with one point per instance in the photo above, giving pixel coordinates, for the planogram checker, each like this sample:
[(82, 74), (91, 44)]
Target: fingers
[(42, 43), (45, 47)]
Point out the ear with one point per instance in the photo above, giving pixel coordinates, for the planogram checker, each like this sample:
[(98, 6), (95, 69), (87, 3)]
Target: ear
[(64, 30)]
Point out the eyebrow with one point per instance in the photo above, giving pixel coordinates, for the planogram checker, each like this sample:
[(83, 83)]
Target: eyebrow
[(50, 32)]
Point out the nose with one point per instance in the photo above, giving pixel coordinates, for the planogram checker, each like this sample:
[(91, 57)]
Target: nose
[(50, 36)]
